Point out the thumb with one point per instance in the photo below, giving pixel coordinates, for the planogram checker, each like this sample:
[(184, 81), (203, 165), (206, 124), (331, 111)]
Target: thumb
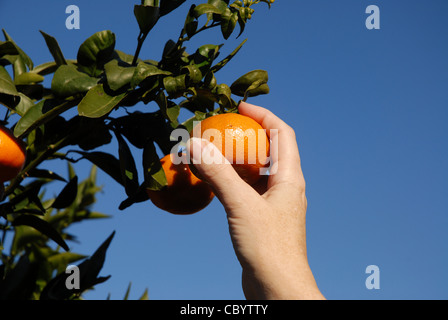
[(215, 169)]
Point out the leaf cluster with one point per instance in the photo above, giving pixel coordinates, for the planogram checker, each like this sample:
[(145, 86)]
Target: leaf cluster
[(101, 85)]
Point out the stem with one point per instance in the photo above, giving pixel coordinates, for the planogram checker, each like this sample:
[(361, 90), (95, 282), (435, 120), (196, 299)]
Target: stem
[(205, 27), (141, 38), (6, 115)]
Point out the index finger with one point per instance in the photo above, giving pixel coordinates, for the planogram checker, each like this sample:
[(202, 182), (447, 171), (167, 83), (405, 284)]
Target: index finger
[(284, 150)]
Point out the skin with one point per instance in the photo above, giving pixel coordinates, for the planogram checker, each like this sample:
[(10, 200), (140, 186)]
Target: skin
[(266, 221)]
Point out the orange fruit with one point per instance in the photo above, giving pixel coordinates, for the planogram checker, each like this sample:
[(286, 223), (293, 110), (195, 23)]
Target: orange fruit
[(12, 155), (245, 139), (184, 193)]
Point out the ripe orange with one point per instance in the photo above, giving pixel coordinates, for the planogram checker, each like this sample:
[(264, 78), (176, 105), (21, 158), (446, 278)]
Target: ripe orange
[(250, 151), (184, 193), (12, 155)]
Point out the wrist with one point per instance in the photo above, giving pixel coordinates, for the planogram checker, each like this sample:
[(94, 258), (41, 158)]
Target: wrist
[(275, 281)]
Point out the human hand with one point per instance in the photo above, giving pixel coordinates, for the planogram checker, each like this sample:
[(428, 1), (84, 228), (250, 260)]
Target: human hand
[(267, 221)]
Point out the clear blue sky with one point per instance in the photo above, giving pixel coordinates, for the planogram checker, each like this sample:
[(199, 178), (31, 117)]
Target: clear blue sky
[(370, 109)]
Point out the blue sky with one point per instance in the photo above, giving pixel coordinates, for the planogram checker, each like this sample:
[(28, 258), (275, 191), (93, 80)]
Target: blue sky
[(369, 108)]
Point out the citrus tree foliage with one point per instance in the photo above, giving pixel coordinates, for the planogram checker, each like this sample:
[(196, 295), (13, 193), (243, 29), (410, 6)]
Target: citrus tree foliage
[(98, 84)]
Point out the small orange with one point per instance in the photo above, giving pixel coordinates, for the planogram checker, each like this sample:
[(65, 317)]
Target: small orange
[(12, 155), (184, 193), (250, 151)]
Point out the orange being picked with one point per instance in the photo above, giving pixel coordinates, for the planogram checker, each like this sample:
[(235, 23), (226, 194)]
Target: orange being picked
[(12, 155), (184, 193), (241, 139)]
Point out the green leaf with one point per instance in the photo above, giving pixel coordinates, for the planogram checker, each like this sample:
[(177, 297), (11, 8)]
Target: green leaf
[(42, 226), (257, 88), (204, 57), (49, 67), (155, 178), (140, 195), (68, 81), (166, 6), (89, 133), (138, 128), (128, 291), (67, 195), (251, 84), (191, 24), (6, 84), (89, 270), (242, 20), (23, 57), (188, 124), (129, 174), (45, 174), (268, 2), (54, 48), (97, 103), (226, 60), (123, 57), (147, 17), (106, 162), (175, 86), (168, 108), (205, 8), (9, 96), (144, 295), (224, 93), (118, 76), (28, 78), (194, 74), (8, 48), (25, 195), (64, 259), (97, 50), (16, 283), (228, 23), (144, 71), (41, 113)]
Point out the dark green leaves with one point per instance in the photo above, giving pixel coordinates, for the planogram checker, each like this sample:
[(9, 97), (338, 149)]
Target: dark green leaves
[(6, 83), (19, 61), (166, 6), (155, 178), (118, 76), (205, 8), (144, 71), (229, 20), (98, 103), (96, 51), (226, 60), (251, 84), (42, 226), (8, 92), (67, 195), (147, 17), (168, 108), (129, 174), (68, 81), (41, 113), (106, 162), (54, 48), (99, 82), (89, 269)]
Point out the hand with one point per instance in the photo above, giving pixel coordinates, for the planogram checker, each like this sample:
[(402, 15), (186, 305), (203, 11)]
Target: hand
[(267, 221)]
